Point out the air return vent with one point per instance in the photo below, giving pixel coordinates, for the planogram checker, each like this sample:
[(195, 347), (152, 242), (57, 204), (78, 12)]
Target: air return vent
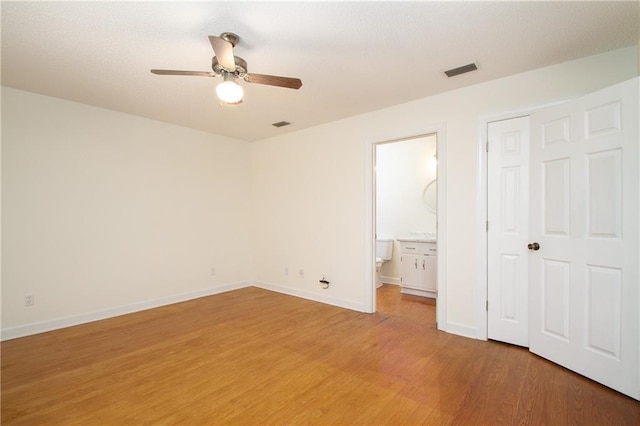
[(281, 124), (461, 70)]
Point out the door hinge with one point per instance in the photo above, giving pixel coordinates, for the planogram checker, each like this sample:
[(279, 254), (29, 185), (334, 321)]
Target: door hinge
[(487, 146), (486, 306), (487, 226)]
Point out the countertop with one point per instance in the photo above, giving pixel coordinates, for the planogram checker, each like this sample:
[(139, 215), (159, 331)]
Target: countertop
[(417, 239)]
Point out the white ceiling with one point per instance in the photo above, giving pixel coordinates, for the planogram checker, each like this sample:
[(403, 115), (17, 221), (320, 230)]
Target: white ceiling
[(353, 57)]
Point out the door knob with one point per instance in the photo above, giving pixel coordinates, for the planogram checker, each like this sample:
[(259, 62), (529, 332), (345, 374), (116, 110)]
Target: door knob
[(533, 246)]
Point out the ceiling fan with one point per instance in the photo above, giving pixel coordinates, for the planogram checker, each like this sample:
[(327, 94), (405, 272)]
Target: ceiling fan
[(231, 68)]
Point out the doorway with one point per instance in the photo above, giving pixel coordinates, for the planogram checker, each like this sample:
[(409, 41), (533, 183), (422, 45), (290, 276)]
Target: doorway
[(406, 207), (437, 191)]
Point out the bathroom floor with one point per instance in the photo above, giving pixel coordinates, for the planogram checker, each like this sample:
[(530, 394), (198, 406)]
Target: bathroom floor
[(407, 307)]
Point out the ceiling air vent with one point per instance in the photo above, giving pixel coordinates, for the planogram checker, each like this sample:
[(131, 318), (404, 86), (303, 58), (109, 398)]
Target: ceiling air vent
[(461, 70), (281, 124)]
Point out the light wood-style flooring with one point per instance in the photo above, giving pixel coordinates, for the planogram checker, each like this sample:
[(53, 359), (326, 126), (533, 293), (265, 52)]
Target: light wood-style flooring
[(253, 357)]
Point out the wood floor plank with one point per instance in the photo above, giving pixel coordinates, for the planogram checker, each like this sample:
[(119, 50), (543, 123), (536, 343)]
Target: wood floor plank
[(255, 357)]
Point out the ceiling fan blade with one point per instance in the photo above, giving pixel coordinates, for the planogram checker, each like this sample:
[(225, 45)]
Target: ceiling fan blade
[(273, 80), (177, 72), (224, 52)]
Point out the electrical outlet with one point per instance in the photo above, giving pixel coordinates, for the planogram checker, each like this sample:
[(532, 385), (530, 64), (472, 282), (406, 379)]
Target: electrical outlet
[(286, 271), (212, 272), (301, 273), (29, 299)]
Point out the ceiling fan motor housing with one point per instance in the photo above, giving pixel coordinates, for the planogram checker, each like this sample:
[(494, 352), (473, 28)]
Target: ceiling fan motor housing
[(240, 71)]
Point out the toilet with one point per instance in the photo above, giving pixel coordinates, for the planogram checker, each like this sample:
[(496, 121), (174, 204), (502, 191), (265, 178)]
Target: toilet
[(384, 252)]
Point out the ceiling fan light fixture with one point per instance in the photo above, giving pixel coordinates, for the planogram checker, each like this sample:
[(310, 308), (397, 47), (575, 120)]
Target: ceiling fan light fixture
[(229, 90)]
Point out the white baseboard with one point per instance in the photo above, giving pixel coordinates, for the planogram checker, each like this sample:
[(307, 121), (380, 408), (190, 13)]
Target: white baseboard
[(347, 304), (63, 322), (390, 280), (459, 329), (421, 293)]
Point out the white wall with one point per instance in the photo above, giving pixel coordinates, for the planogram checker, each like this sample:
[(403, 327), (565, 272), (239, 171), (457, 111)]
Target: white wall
[(403, 170), (104, 211), (305, 187), (312, 187)]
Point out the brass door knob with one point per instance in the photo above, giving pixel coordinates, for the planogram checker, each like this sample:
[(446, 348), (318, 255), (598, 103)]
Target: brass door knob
[(533, 246)]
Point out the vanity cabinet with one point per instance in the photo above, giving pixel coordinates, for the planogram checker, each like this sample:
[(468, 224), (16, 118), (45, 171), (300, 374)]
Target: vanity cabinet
[(418, 262)]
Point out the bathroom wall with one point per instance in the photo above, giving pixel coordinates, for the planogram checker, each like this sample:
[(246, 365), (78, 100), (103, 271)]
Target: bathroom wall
[(403, 170)]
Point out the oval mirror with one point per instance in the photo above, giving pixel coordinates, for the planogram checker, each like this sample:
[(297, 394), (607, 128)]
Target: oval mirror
[(430, 196)]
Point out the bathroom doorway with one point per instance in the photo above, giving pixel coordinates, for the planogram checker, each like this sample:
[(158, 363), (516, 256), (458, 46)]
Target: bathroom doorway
[(407, 182)]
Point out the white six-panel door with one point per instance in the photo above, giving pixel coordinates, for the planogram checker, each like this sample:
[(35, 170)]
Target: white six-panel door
[(584, 215), (508, 231)]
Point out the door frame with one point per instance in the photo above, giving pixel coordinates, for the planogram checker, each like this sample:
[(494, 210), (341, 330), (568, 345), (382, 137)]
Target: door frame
[(439, 130), (482, 194)]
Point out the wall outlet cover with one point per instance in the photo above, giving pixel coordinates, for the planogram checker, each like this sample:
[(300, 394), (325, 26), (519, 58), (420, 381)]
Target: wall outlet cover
[(29, 300)]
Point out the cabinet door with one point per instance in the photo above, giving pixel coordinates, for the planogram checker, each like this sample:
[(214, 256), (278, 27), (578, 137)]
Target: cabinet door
[(409, 272), (428, 273)]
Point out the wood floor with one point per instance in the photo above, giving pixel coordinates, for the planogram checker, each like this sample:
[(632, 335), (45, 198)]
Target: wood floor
[(253, 357)]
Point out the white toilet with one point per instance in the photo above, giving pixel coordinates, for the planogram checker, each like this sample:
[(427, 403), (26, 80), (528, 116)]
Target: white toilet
[(384, 252)]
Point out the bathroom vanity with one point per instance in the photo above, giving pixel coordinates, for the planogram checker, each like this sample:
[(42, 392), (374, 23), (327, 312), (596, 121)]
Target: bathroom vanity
[(418, 260)]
